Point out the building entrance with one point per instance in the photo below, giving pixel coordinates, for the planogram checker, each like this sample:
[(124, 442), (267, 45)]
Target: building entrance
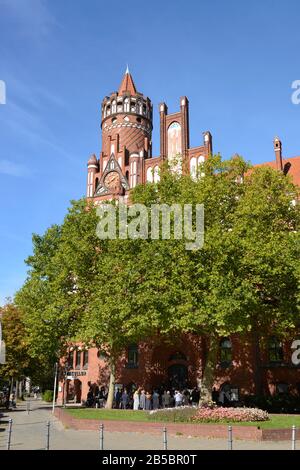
[(178, 376)]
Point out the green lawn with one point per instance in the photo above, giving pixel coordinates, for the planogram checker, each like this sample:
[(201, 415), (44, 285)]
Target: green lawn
[(275, 422), (113, 415)]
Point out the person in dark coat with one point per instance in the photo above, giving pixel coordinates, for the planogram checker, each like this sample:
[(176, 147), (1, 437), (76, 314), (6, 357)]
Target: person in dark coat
[(118, 398)]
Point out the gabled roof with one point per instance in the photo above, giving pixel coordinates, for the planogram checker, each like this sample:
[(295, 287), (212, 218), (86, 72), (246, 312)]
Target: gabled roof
[(290, 164)]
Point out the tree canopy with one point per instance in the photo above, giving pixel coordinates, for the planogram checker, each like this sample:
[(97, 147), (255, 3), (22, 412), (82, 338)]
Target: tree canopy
[(110, 293)]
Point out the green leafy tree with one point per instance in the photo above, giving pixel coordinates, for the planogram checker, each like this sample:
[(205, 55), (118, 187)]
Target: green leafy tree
[(110, 293), (245, 279), (17, 356)]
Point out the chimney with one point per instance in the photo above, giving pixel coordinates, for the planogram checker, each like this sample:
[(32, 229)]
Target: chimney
[(278, 153)]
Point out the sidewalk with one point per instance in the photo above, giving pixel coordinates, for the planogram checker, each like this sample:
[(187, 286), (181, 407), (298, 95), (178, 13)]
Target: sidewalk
[(29, 432)]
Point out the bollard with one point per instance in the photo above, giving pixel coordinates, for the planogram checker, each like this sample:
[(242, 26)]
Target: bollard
[(165, 439), (47, 435), (101, 437), (293, 437), (28, 406), (229, 438), (9, 433)]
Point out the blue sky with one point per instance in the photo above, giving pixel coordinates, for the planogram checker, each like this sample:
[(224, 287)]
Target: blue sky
[(234, 60)]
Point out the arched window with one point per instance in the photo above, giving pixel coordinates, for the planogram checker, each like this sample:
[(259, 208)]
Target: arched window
[(126, 105), (139, 107), (127, 176), (133, 172), (120, 106), (114, 107), (201, 160), (225, 352), (275, 350), (78, 359), (107, 109), (156, 177), (132, 107), (71, 360), (174, 147), (85, 359), (149, 175), (132, 356), (193, 168)]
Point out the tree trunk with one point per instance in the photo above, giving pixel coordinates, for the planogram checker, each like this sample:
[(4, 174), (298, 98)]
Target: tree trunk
[(17, 389), (112, 380), (209, 372), (11, 385), (21, 389), (257, 364)]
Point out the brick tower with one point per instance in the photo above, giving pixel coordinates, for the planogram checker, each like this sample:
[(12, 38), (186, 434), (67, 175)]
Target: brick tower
[(126, 123)]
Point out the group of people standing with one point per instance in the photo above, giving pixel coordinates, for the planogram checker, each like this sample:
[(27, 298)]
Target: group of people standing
[(141, 399)]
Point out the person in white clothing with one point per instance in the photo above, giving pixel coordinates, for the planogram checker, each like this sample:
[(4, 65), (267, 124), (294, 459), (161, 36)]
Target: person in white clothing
[(178, 398), (136, 400)]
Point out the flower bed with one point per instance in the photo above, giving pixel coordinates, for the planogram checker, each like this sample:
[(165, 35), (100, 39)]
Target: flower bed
[(173, 415), (229, 415), (208, 414)]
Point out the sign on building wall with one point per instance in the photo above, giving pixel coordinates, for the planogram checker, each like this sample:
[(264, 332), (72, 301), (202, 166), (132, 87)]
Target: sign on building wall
[(75, 374)]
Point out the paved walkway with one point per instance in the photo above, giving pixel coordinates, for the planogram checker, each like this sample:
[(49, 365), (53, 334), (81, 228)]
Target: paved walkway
[(29, 432)]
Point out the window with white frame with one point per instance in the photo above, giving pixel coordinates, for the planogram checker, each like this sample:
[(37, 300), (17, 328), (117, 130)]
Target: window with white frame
[(126, 105), (193, 168), (139, 107), (133, 174), (150, 175), (156, 176), (201, 160)]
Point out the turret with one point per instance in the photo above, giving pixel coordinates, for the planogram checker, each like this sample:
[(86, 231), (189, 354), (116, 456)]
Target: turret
[(126, 122), (93, 168)]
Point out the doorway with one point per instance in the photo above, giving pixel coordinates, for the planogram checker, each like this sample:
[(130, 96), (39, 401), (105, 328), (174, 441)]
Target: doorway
[(178, 376)]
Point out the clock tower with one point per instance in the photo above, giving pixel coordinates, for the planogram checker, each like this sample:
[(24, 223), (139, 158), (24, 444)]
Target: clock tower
[(126, 124)]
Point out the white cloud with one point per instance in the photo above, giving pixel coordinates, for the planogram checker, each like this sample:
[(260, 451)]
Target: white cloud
[(13, 169), (31, 17)]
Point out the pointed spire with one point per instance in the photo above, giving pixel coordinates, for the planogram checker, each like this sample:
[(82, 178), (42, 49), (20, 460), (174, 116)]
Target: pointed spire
[(127, 84)]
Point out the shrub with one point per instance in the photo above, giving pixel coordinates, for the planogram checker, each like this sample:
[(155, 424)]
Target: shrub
[(48, 395), (173, 415), (274, 404), (229, 415)]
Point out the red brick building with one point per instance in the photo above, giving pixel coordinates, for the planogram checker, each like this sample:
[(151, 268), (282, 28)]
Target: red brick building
[(125, 161)]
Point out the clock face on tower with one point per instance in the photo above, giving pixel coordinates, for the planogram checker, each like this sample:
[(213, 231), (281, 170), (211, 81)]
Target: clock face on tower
[(112, 181)]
